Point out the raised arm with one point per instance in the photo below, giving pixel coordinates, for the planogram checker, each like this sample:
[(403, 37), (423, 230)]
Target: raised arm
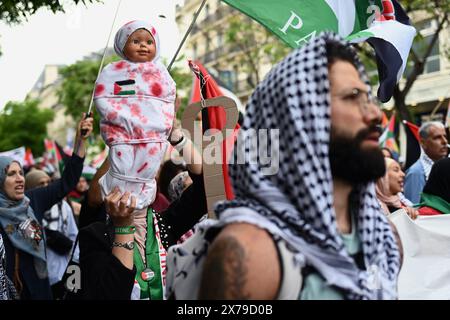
[(43, 199)]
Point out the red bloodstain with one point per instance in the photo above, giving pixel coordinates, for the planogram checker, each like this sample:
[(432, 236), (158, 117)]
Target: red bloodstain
[(142, 167), (153, 151), (138, 133), (147, 76), (153, 31), (156, 89), (112, 116), (99, 89), (120, 65), (135, 110), (119, 154)]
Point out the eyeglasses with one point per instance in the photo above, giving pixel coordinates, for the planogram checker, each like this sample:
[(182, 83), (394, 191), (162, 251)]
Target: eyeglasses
[(362, 98)]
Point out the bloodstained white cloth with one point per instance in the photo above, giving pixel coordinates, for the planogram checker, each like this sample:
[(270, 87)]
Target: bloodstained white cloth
[(136, 105)]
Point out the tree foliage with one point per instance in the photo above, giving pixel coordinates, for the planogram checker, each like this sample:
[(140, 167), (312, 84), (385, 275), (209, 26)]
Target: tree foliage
[(257, 44), (13, 11), (77, 86), (24, 124), (437, 10)]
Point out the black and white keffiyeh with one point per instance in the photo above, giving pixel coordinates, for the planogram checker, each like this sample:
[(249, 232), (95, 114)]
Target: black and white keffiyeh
[(7, 289), (296, 204)]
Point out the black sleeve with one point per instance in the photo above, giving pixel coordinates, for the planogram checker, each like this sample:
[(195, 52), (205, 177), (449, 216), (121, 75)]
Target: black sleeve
[(58, 242), (42, 199), (89, 215), (185, 212), (103, 276)]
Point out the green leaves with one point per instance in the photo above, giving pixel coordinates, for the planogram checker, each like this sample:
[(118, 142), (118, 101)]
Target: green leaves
[(77, 85), (24, 124), (19, 11)]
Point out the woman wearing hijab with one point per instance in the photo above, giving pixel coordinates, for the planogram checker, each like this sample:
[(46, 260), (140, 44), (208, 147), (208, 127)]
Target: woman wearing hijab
[(21, 215), (389, 190), (435, 198)]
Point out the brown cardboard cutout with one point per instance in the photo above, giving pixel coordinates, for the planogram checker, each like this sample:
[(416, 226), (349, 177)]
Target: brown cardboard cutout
[(212, 173)]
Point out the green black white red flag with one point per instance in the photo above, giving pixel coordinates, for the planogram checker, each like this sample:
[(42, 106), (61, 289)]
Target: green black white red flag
[(382, 23)]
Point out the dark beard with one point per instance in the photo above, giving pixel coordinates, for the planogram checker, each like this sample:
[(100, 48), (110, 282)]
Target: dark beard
[(353, 164)]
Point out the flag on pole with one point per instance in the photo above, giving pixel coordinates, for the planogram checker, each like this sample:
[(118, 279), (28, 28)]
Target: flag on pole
[(382, 23), (55, 156), (412, 153), (387, 138), (214, 118), (384, 120), (29, 159)]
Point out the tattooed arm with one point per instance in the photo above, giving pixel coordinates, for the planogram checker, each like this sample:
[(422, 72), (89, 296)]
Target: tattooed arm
[(242, 264)]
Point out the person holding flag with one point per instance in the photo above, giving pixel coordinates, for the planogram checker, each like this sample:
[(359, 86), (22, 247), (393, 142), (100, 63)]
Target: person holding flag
[(21, 215)]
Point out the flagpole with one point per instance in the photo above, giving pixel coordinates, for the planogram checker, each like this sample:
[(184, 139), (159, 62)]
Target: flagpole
[(186, 34), (104, 56)]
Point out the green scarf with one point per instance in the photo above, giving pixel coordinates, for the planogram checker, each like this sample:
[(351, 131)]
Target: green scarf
[(151, 288), (435, 202)]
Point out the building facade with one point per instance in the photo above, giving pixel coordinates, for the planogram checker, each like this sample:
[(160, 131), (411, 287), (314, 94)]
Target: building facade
[(430, 92), (208, 44), (45, 90)]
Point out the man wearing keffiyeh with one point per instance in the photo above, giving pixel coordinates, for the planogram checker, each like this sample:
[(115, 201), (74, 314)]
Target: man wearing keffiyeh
[(315, 229)]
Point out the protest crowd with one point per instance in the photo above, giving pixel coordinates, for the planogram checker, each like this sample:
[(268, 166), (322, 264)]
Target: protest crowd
[(154, 218)]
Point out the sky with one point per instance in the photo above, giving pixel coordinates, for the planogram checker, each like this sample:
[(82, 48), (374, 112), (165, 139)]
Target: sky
[(65, 38)]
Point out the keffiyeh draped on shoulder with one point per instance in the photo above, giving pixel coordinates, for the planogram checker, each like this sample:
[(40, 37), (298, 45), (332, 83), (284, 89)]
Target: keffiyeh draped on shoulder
[(296, 204)]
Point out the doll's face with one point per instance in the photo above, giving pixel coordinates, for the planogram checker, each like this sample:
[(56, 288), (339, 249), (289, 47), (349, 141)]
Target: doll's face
[(140, 47)]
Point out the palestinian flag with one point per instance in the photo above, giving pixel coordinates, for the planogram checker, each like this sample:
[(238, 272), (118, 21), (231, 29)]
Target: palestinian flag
[(387, 138), (213, 118), (411, 145), (123, 88), (384, 120), (29, 159), (54, 154), (381, 23)]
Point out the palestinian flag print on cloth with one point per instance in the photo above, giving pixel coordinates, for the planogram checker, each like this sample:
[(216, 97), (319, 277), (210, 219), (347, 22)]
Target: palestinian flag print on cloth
[(123, 88), (382, 23)]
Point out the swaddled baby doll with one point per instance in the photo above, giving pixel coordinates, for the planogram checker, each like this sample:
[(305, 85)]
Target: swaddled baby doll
[(135, 99)]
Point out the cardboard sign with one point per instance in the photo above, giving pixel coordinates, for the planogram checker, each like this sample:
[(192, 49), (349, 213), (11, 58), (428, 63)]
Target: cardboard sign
[(212, 173)]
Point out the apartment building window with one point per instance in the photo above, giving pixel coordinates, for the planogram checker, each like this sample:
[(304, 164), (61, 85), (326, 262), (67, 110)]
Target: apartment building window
[(226, 76), (427, 30)]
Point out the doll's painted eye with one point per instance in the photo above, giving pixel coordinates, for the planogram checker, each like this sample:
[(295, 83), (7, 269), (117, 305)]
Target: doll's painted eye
[(150, 42), (135, 41)]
